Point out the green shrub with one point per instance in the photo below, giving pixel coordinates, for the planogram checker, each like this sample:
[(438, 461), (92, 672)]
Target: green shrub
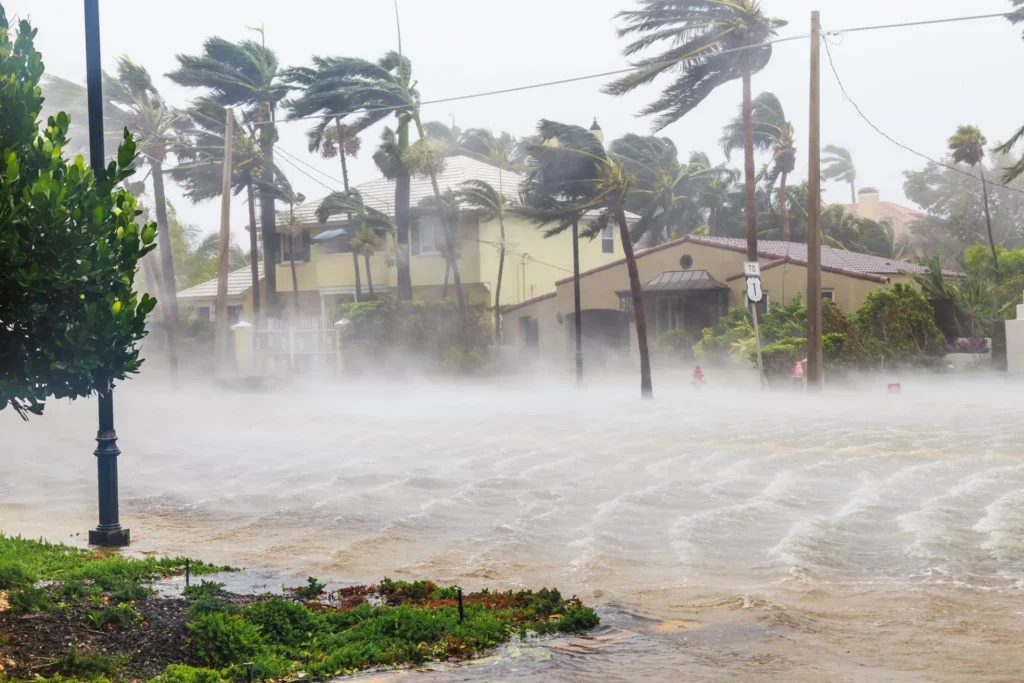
[(129, 591), (778, 358), (311, 591), (89, 666), (266, 667), (210, 604), (463, 361), (224, 639), (112, 617), (899, 325), (283, 622), (29, 599), (14, 575), (202, 588), (180, 673), (674, 344)]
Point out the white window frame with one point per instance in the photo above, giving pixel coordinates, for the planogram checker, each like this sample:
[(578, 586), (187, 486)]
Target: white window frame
[(829, 294), (429, 226), (608, 239)]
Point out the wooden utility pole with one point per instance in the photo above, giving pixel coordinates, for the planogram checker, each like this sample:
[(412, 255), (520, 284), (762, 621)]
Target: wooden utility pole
[(814, 359), (225, 242)]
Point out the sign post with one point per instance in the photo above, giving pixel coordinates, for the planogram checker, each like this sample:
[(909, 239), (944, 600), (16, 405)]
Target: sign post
[(752, 271)]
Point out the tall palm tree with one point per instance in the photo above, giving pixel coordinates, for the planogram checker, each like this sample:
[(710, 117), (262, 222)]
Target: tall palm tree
[(772, 133), (246, 75), (372, 225), (200, 169), (837, 164), (968, 147), (712, 43), (377, 90), (492, 204), (571, 178), (282, 190), (716, 186), (502, 150)]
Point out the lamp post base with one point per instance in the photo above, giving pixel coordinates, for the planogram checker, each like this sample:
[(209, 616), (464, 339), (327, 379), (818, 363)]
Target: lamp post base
[(118, 538)]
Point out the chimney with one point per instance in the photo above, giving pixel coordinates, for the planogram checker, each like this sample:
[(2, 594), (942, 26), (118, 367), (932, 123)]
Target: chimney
[(867, 203), (596, 130)]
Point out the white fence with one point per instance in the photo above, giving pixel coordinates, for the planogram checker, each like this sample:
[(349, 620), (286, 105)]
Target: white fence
[(297, 343)]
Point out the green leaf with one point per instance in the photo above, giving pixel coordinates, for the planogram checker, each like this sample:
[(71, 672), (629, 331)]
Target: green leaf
[(149, 233), (13, 170)]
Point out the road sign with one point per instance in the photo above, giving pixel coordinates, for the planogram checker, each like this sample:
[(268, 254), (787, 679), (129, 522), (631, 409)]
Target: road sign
[(752, 269), (754, 292)]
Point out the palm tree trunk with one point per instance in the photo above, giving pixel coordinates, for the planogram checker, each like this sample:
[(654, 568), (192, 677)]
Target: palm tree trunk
[(402, 189), (295, 277), (268, 217), (369, 278), (447, 271), (355, 264), (646, 387), (497, 286), (784, 208), (748, 169), (988, 221), (170, 289), (254, 253), (853, 193)]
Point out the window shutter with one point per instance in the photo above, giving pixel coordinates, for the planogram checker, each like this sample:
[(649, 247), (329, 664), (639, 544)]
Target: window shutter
[(305, 245)]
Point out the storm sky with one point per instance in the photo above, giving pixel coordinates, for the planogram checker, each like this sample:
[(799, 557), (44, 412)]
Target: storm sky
[(917, 84)]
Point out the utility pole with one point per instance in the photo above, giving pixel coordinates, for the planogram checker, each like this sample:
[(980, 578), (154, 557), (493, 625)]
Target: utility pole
[(225, 241), (814, 359), (578, 318), (108, 532)]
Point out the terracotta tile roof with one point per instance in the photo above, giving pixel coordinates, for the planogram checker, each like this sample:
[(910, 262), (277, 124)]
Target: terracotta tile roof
[(239, 283), (542, 297)]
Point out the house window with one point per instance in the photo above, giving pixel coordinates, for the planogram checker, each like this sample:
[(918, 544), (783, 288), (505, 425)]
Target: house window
[(234, 314), (608, 240), (668, 315), (204, 313), (763, 306), (284, 244), (829, 294), (427, 238)]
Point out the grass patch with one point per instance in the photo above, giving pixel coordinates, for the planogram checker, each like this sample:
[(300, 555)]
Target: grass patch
[(120, 631)]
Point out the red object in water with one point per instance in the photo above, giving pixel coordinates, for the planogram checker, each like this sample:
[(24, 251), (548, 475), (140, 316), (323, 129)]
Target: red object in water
[(798, 369), (698, 377), (894, 388)]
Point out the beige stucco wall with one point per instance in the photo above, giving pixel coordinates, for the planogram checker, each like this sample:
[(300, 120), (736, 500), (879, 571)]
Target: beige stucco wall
[(551, 333), (788, 281)]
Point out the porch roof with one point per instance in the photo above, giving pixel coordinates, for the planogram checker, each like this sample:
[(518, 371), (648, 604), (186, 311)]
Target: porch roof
[(683, 281)]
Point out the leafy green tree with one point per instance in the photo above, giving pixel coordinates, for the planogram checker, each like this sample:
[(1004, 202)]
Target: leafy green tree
[(772, 133), (967, 146), (837, 164), (245, 74), (69, 249), (200, 169), (900, 324), (371, 227), (712, 43), (573, 175)]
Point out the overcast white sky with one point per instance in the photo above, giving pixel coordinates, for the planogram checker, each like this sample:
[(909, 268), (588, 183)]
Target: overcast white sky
[(917, 84)]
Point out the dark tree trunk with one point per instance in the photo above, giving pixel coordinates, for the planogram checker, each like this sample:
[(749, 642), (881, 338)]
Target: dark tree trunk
[(988, 222), (402, 190), (295, 277), (646, 387), (369, 277), (447, 270), (254, 253), (784, 208), (748, 170), (169, 286), (268, 217), (497, 286), (355, 264)]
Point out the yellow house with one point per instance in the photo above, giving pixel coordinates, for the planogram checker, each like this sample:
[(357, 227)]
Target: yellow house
[(325, 271), (200, 302), (688, 284)]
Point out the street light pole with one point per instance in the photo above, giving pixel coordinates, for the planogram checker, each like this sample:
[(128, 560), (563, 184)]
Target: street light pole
[(108, 532), (577, 319)]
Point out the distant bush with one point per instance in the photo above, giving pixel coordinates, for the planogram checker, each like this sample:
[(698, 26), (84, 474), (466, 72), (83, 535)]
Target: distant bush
[(899, 325), (674, 345)]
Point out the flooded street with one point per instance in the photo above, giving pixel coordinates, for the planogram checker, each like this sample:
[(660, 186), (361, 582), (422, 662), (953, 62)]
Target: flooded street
[(724, 533)]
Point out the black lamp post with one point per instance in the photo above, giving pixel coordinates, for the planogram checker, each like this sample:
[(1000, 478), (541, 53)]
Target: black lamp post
[(108, 532), (576, 296)]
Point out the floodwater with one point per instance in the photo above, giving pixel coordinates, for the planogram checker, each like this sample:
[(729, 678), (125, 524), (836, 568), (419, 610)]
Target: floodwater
[(726, 534)]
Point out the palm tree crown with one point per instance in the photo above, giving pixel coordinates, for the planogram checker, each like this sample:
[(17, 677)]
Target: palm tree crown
[(837, 164), (967, 145)]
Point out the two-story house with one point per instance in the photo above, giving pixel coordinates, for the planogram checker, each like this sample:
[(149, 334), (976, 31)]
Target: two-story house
[(533, 264)]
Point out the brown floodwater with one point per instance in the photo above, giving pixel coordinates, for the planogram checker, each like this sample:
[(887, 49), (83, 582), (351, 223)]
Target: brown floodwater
[(724, 534)]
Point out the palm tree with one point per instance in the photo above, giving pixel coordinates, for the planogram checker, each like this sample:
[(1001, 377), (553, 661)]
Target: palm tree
[(501, 150), (712, 43), (573, 177), (378, 90), (714, 191), (282, 190), (968, 147), (373, 225), (837, 164), (245, 75), (772, 133), (200, 167), (492, 204)]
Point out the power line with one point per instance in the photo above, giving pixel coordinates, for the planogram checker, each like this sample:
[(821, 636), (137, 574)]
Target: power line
[(896, 142), (926, 22), (302, 171), (309, 166)]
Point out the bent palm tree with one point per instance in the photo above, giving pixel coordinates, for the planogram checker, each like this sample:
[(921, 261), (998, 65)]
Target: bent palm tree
[(246, 75), (572, 178), (968, 147), (481, 196), (712, 43), (837, 164), (373, 225), (282, 190), (772, 133)]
